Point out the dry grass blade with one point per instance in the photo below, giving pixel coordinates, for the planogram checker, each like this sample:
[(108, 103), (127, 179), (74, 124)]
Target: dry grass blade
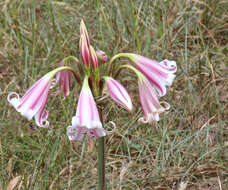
[(183, 185), (124, 170), (13, 183)]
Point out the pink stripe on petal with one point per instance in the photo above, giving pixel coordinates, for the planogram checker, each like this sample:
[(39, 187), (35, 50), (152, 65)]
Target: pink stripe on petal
[(167, 67), (42, 94), (120, 89), (159, 74), (149, 101), (87, 117), (38, 85), (42, 114), (118, 93)]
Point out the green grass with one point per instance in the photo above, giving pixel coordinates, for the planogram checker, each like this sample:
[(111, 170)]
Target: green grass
[(189, 144)]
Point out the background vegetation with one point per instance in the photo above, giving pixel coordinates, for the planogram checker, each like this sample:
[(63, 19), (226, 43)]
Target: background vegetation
[(187, 149)]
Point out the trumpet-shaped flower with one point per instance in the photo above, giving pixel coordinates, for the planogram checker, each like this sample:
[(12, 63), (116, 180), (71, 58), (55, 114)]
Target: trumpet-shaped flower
[(159, 74), (34, 101), (86, 120), (149, 101), (102, 57), (64, 78), (32, 104), (149, 98), (118, 93)]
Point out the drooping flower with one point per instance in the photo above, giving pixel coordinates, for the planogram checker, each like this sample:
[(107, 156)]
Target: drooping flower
[(32, 104), (94, 59), (86, 120), (64, 79), (118, 93), (102, 57), (160, 74), (150, 101), (84, 51), (34, 101), (149, 98)]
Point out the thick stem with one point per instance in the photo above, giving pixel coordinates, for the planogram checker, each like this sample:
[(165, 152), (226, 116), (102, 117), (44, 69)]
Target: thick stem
[(101, 142), (101, 164)]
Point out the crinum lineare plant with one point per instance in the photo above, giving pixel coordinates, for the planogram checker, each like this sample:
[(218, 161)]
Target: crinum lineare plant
[(153, 77)]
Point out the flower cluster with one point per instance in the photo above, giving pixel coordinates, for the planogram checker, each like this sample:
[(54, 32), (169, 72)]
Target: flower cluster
[(153, 77)]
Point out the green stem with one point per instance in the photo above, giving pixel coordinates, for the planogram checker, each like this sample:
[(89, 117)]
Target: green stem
[(101, 164), (113, 58), (101, 143)]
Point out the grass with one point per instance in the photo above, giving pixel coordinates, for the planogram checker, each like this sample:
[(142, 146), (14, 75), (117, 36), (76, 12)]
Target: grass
[(187, 147)]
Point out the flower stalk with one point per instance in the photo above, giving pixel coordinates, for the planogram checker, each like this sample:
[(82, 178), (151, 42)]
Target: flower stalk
[(101, 163), (101, 143)]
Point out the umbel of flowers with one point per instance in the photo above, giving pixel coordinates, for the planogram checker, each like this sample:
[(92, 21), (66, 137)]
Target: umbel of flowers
[(153, 77)]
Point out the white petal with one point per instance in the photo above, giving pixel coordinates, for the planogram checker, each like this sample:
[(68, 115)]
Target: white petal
[(75, 121), (28, 113), (96, 124), (170, 78), (100, 132), (42, 122), (76, 133)]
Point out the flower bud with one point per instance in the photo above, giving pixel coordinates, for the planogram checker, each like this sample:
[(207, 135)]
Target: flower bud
[(118, 93), (94, 59), (84, 51), (84, 32), (102, 57)]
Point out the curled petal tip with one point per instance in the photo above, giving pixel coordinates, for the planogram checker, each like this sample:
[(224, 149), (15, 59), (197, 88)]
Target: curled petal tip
[(15, 101)]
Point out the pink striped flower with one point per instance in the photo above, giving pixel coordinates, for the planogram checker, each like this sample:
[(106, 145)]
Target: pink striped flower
[(159, 74), (64, 79), (118, 93), (34, 101), (149, 98), (149, 101), (32, 104), (102, 57), (86, 120)]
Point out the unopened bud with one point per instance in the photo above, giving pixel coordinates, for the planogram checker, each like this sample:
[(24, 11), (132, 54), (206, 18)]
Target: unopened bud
[(102, 57)]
